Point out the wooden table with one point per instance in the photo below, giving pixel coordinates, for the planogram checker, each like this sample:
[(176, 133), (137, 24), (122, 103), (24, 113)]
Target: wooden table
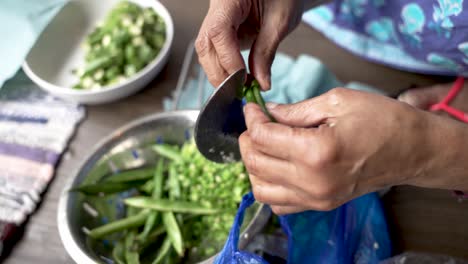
[(427, 220)]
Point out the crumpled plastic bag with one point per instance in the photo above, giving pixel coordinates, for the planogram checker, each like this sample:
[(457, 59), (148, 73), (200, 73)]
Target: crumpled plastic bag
[(356, 232)]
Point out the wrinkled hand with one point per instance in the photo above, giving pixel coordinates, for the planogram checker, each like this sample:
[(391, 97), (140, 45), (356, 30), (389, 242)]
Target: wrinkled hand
[(261, 22), (330, 149), (424, 97)]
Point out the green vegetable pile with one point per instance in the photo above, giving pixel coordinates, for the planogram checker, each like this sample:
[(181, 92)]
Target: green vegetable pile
[(128, 39), (182, 211)]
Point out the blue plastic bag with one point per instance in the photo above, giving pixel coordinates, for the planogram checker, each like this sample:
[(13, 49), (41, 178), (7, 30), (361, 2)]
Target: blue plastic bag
[(356, 232)]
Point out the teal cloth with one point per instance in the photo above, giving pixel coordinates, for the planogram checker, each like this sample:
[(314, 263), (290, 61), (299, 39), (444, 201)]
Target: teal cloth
[(292, 80), (21, 23)]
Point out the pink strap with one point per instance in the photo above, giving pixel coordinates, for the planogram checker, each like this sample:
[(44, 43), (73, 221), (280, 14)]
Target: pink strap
[(443, 105), (460, 115)]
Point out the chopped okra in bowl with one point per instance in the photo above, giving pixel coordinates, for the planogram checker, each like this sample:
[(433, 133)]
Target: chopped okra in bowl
[(100, 51), (147, 195)]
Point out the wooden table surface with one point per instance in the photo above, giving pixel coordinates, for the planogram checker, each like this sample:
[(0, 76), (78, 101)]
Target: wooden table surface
[(424, 220)]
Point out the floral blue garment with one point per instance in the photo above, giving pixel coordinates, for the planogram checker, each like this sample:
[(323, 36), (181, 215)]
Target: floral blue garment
[(425, 36)]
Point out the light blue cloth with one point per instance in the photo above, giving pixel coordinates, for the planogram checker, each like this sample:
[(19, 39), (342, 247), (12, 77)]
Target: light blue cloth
[(292, 80), (21, 23)]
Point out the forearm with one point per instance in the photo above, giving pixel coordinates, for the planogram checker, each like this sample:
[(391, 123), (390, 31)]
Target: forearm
[(447, 165)]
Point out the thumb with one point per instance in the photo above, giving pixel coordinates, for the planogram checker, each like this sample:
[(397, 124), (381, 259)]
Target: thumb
[(423, 98), (263, 52), (308, 113)]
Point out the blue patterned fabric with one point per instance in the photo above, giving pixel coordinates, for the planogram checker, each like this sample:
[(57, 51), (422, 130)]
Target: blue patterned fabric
[(425, 36)]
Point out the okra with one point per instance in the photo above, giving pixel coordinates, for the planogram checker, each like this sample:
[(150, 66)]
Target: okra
[(165, 205), (157, 193), (174, 187), (252, 95), (168, 152), (119, 225), (163, 251), (132, 175), (118, 253), (127, 40), (106, 187), (259, 99), (173, 232), (131, 255)]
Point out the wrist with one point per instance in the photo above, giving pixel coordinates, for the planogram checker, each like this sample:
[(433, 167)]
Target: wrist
[(445, 163)]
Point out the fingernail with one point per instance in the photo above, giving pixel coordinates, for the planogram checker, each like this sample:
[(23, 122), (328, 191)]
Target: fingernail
[(402, 96), (271, 105), (268, 82)]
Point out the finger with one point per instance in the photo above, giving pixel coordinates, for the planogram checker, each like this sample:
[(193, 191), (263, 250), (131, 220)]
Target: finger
[(263, 53), (286, 196), (269, 193), (267, 168), (254, 114), (227, 49), (274, 139), (208, 59), (316, 205), (220, 30), (285, 209), (308, 113), (423, 98)]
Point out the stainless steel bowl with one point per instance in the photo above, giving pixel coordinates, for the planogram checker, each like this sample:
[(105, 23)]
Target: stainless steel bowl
[(124, 149)]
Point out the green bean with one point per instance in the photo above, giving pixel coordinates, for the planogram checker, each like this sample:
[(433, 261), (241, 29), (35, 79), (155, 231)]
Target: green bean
[(98, 63), (119, 225), (147, 187), (168, 152), (163, 251), (131, 255), (131, 211), (158, 180), (106, 187), (174, 191), (165, 205), (173, 231), (117, 253), (153, 236), (157, 193), (259, 99), (249, 96), (131, 175), (149, 224)]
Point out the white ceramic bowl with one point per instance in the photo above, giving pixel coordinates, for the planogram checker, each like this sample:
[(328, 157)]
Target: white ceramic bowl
[(58, 51)]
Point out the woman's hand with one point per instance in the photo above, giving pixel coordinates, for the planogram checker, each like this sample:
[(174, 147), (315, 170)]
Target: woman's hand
[(424, 97), (330, 149), (261, 22)]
